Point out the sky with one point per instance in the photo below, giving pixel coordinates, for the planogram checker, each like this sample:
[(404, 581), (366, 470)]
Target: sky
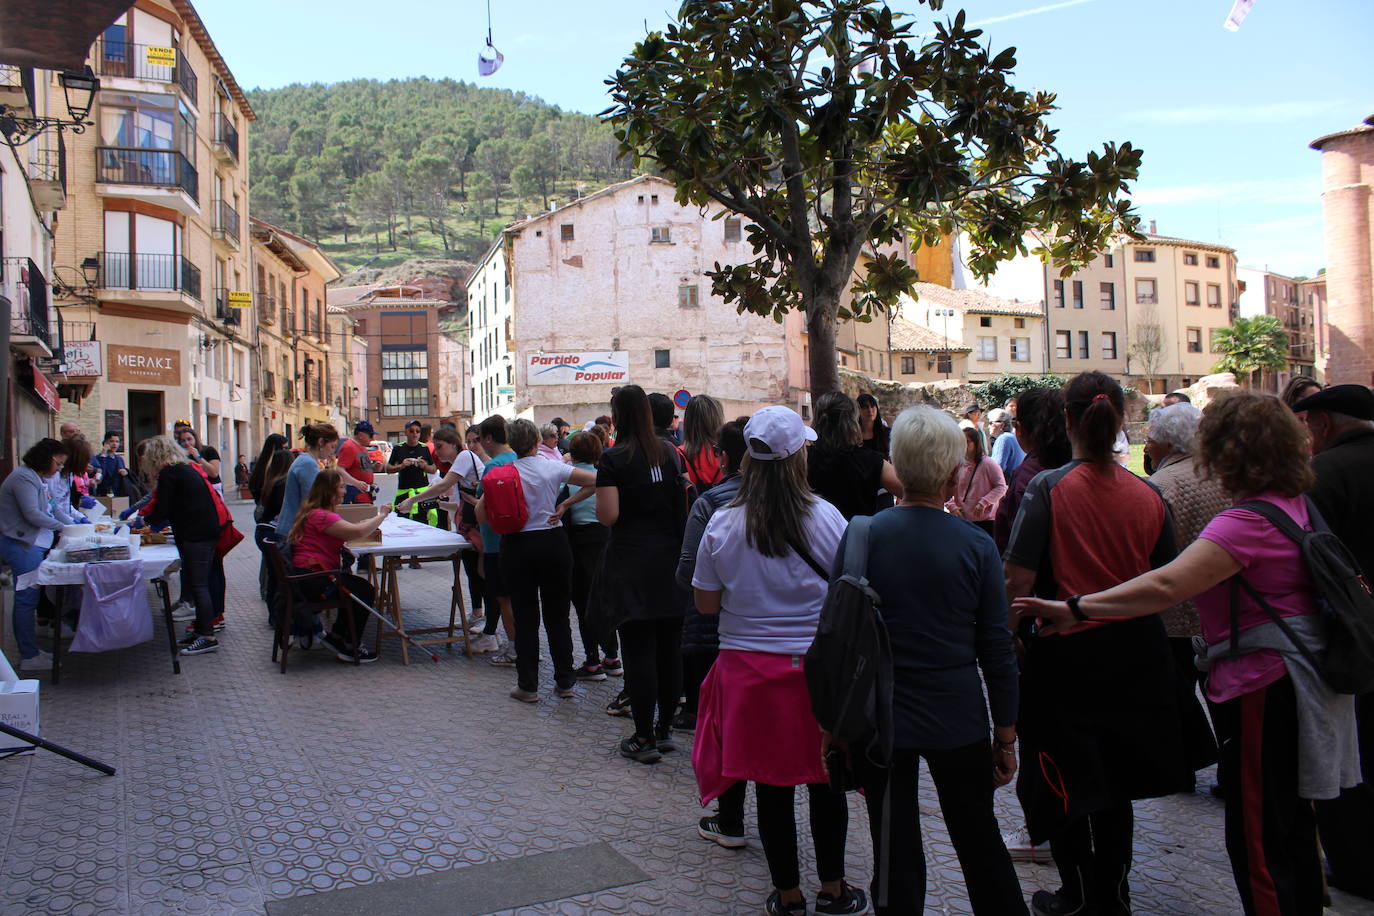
[(1224, 118)]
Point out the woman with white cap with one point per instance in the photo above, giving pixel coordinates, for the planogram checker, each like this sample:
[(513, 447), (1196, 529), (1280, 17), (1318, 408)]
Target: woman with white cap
[(763, 565)]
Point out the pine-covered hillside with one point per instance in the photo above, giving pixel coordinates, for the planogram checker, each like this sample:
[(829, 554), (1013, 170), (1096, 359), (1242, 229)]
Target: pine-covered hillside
[(382, 171)]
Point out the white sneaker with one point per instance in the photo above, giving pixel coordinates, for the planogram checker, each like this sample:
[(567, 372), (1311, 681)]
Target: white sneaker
[(476, 625), (505, 658), (183, 610), (67, 631), (40, 662), (485, 643), (1023, 850)]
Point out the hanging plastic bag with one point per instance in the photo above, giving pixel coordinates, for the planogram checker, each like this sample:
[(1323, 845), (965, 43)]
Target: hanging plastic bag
[(489, 60), (114, 608)]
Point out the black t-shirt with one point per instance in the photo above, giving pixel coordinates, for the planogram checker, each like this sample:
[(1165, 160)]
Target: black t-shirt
[(209, 453), (881, 441), (411, 478), (646, 492), (184, 500), (848, 479)]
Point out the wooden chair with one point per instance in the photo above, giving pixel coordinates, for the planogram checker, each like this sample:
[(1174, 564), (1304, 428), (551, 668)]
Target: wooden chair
[(288, 583)]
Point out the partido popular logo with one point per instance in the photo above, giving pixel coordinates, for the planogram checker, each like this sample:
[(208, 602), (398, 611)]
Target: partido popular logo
[(578, 368)]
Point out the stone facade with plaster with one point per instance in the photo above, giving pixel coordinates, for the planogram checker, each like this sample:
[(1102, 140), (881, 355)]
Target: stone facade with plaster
[(1348, 207)]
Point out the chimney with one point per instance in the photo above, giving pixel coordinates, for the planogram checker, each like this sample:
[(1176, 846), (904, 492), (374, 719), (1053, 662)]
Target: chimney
[(1154, 228)]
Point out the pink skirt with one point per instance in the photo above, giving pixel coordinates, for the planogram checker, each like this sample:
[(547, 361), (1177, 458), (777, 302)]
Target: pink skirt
[(754, 722)]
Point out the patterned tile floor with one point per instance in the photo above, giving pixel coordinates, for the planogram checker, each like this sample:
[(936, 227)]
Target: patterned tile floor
[(238, 785)]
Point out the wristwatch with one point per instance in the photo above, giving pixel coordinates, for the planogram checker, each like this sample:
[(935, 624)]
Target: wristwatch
[(1074, 609)]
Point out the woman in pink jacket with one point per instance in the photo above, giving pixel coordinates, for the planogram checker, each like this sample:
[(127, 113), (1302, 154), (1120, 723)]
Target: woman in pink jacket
[(979, 485)]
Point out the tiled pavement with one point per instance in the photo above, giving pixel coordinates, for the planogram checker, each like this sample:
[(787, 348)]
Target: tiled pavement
[(238, 785)]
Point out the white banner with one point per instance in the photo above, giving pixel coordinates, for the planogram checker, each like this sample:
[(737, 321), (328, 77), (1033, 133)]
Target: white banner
[(578, 368)]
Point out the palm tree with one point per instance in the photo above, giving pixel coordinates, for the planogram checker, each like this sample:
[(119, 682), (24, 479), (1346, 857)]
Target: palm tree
[(1251, 345)]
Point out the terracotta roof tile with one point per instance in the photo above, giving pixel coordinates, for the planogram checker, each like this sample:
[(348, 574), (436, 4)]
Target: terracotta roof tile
[(912, 338), (976, 301)]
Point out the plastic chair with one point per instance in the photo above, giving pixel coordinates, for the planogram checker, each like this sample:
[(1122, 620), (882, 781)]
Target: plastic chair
[(287, 584)]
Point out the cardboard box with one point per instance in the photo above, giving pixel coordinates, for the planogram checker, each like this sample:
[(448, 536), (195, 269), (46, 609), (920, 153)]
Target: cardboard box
[(115, 504), (360, 513), (18, 709)]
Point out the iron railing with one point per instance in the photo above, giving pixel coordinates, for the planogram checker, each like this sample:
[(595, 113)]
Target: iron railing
[(269, 385), (227, 221), (48, 161), (223, 311), (164, 168), (27, 290), (266, 306), (226, 134), (134, 270), (127, 59)]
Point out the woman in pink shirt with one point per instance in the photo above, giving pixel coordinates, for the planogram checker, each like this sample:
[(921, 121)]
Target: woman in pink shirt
[(980, 485), (316, 539), (1273, 763)]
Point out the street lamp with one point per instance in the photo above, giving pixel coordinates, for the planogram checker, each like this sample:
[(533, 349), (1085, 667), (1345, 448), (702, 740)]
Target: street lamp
[(79, 87), (946, 314)]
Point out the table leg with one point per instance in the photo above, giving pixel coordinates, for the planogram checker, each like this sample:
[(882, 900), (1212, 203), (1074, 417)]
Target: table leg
[(457, 603), (391, 588), (164, 593), (57, 634)]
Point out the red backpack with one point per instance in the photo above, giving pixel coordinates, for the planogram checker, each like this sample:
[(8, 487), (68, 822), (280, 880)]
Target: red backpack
[(504, 498)]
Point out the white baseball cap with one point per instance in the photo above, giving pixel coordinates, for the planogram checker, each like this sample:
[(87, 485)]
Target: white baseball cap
[(774, 433)]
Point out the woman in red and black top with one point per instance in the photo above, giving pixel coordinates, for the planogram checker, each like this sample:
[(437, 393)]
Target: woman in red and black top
[(701, 423), (1099, 722)]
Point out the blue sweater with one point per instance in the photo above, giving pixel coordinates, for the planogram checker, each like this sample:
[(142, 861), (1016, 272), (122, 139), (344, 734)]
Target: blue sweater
[(303, 472)]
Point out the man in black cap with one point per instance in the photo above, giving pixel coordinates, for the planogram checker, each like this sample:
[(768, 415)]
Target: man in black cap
[(1340, 420)]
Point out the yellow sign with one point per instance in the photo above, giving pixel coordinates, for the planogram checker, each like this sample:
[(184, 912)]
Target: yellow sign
[(240, 300), (161, 57)]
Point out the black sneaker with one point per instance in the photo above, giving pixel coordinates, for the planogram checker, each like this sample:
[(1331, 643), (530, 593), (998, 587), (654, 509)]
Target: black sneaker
[(1043, 903), (591, 672), (620, 706), (708, 828), (775, 907), (642, 749), (850, 900), (200, 645), (685, 721), (663, 737), (613, 667)]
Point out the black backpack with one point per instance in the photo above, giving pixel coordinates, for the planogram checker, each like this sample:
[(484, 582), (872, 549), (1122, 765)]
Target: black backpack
[(849, 665), (1343, 597)]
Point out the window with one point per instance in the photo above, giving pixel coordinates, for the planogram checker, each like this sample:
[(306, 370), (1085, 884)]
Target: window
[(1145, 291), (405, 365), (1190, 258), (1195, 340), (653, 198), (1059, 294), (641, 198), (1018, 322), (1145, 255), (405, 402), (1106, 294), (1083, 351), (1020, 349), (732, 229), (1190, 293), (944, 363), (1078, 294), (687, 297), (1213, 296), (1109, 345), (663, 359), (1063, 344), (660, 234), (565, 232), (984, 321), (1213, 261), (1108, 260), (987, 349), (908, 365)]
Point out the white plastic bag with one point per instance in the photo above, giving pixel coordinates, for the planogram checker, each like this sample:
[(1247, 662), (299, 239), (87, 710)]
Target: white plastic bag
[(114, 608)]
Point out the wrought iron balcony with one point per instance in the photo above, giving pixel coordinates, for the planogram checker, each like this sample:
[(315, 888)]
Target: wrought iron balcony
[(134, 270), (223, 311), (31, 327), (132, 61), (226, 222), (164, 168), (226, 136)]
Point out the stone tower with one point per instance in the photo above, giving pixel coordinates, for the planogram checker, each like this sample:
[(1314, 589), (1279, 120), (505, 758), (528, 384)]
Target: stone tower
[(1348, 204)]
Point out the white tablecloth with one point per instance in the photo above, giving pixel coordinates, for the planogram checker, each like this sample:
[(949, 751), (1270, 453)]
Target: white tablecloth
[(157, 561), (402, 537)]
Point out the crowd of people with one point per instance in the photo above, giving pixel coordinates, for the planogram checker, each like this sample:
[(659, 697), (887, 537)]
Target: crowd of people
[(1053, 618)]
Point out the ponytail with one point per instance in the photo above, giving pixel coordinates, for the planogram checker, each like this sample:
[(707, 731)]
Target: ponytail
[(1096, 405)]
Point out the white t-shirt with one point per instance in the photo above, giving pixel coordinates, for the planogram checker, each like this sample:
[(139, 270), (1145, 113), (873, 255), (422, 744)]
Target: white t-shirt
[(541, 480), (771, 604), (468, 466)]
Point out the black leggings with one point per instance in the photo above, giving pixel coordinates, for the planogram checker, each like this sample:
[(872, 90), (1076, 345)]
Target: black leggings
[(653, 670), (695, 666), (537, 569), (472, 566), (1094, 855), (320, 587), (588, 543), (778, 831), (963, 782)]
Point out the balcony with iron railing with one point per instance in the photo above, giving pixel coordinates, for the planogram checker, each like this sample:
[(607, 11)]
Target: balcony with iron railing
[(17, 89), (227, 226), (32, 330), (166, 170), (288, 392), (133, 61), (223, 311), (269, 385), (226, 138), (123, 270), (266, 307), (47, 168)]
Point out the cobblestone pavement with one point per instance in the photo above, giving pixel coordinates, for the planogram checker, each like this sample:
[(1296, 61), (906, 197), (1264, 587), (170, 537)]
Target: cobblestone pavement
[(237, 785)]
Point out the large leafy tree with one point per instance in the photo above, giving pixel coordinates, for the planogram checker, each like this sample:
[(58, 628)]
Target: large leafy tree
[(831, 127), (1251, 345)]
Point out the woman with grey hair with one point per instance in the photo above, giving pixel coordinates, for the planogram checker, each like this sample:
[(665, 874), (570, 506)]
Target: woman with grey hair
[(1193, 498), (943, 601), (548, 443)]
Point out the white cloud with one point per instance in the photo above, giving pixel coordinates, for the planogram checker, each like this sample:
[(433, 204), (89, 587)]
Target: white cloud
[(1302, 191), (1234, 114), (1036, 11)]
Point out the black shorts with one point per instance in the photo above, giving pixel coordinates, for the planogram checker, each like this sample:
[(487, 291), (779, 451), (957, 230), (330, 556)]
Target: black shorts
[(494, 586)]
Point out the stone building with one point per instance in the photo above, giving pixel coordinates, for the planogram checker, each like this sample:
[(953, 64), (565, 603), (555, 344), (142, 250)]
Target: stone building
[(1264, 292), (987, 335), (156, 223), (1348, 208)]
